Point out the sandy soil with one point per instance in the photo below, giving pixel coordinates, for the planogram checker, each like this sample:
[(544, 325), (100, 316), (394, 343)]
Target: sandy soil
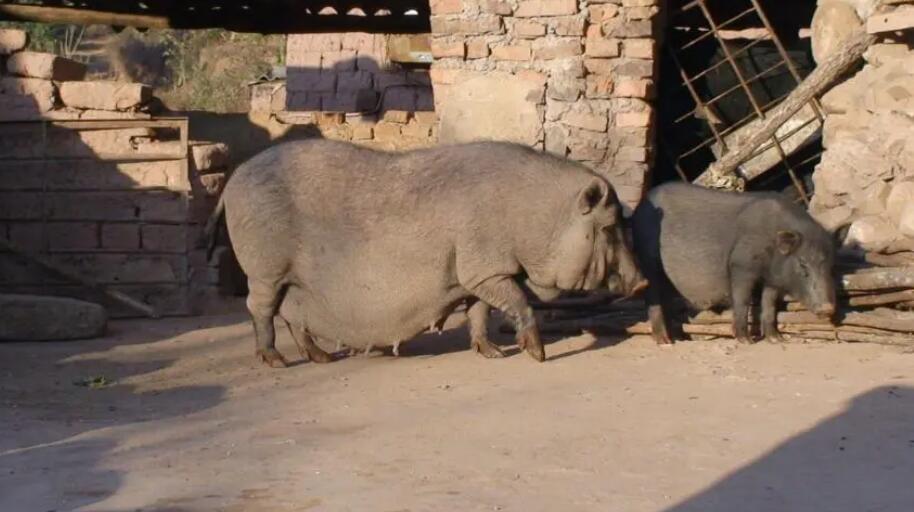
[(191, 423)]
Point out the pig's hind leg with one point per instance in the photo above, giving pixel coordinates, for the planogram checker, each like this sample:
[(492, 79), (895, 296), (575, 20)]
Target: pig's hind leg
[(477, 317), (306, 346), (263, 299)]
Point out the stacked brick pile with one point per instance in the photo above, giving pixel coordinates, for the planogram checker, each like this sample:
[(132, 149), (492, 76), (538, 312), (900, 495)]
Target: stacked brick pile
[(866, 176), (573, 78), (117, 205), (349, 73)]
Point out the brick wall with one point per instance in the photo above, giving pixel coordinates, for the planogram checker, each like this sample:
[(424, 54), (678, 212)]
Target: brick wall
[(571, 77)]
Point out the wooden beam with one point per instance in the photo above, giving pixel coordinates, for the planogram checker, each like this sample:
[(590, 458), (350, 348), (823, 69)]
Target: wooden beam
[(68, 15), (899, 19)]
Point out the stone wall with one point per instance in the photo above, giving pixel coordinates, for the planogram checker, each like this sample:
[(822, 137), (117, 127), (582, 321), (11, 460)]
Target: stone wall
[(866, 176), (117, 204), (572, 78)]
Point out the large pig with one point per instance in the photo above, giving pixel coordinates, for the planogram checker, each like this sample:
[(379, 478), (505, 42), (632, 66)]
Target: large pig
[(382, 246), (716, 248)]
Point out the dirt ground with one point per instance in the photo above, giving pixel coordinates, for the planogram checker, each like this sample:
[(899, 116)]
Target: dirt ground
[(191, 423)]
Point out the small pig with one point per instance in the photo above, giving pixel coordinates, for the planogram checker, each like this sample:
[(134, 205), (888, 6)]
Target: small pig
[(383, 246), (715, 248)]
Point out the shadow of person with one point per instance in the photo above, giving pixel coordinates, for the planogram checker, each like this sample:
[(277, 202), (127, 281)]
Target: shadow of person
[(859, 460)]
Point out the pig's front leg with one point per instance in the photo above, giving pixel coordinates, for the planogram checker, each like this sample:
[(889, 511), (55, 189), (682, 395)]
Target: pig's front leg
[(503, 293), (741, 295), (769, 315)]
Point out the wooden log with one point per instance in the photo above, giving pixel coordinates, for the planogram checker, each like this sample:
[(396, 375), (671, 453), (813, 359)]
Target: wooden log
[(900, 321), (898, 259), (885, 278), (721, 173), (880, 299), (70, 275)]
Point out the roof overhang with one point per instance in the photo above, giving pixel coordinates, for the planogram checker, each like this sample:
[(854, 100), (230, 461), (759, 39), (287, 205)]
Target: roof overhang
[(262, 16)]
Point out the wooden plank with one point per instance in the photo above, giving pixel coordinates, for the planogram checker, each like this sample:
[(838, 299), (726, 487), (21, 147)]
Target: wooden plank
[(899, 19)]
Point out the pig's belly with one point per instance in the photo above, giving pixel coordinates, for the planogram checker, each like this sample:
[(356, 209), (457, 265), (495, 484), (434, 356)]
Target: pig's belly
[(379, 300), (702, 281)]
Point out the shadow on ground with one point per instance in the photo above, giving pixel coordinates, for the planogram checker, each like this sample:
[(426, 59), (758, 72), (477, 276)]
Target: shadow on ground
[(54, 429), (859, 460)]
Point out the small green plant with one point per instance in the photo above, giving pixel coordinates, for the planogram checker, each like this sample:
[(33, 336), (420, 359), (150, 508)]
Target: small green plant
[(94, 382)]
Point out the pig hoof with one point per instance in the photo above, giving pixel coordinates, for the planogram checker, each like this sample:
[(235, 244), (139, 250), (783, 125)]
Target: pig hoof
[(272, 358), (663, 339), (487, 349), (318, 355), (529, 341), (774, 338)]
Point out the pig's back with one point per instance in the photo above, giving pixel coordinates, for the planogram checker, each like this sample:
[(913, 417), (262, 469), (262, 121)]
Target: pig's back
[(697, 229)]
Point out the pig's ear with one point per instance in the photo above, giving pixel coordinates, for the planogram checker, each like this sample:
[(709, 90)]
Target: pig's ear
[(788, 241), (593, 195)]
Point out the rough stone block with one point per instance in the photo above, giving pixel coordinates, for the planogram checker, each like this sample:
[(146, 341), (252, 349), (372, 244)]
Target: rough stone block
[(632, 154), (602, 12), (832, 23), (534, 8), (906, 222), (635, 69), (206, 156), (599, 86), (213, 183), (43, 318), (901, 195), (586, 121), (641, 13), (362, 131), (416, 130), (45, 65), (585, 152), (629, 28), (492, 106), (396, 116), (384, 131), (104, 95), (871, 233), (12, 40), (498, 7), (556, 141), (568, 25), (565, 89)]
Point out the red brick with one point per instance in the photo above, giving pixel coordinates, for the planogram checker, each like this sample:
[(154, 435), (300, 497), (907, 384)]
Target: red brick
[(638, 48), (629, 28), (477, 49), (482, 24), (359, 41), (304, 59), (302, 43), (586, 121), (634, 68), (45, 65), (599, 86), (640, 88), (602, 12), (122, 237), (12, 40), (602, 48), (442, 48), (446, 6), (343, 60), (594, 32), (30, 236), (639, 3), (548, 49), (513, 52), (633, 119), (532, 8), (429, 118), (529, 28)]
